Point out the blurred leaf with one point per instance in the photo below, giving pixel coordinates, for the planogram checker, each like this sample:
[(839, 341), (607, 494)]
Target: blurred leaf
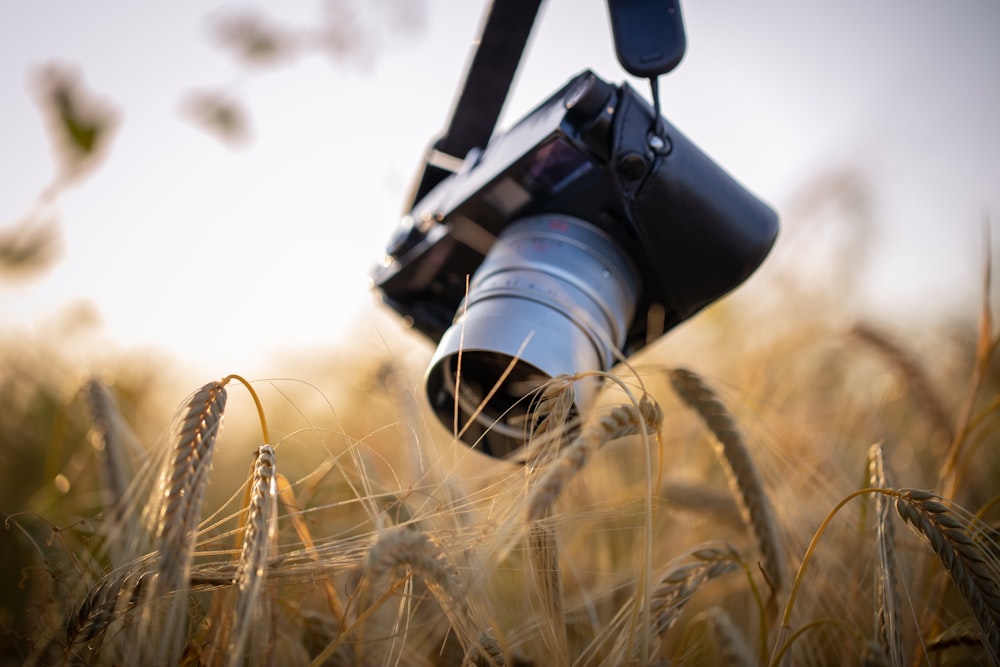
[(80, 125), (254, 40), (341, 34), (356, 31), (28, 247), (219, 115)]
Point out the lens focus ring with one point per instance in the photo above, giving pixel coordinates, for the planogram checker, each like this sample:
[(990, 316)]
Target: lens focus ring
[(554, 296), (569, 264)]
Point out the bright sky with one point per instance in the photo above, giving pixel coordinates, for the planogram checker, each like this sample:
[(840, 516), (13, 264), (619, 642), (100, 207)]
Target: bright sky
[(221, 256)]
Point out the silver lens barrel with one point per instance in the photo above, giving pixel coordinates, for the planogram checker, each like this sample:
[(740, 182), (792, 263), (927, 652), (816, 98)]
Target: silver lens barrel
[(554, 296)]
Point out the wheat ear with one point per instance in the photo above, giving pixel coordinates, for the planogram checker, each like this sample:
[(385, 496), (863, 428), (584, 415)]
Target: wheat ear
[(679, 582), (550, 414), (112, 441), (874, 655), (974, 572), (107, 436), (553, 406), (722, 640), (486, 652), (403, 547), (182, 485), (622, 420), (934, 406), (732, 646), (887, 616), (743, 474), (673, 589), (963, 632), (250, 610), (111, 598)]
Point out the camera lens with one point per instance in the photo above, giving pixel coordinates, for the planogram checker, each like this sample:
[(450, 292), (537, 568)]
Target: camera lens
[(554, 296)]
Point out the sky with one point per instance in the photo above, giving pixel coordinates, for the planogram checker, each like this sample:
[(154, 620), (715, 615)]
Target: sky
[(224, 256)]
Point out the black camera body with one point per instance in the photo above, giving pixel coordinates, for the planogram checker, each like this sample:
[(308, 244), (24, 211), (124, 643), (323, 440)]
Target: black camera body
[(592, 152)]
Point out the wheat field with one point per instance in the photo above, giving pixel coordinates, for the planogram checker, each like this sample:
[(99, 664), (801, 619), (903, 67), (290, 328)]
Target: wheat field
[(821, 494)]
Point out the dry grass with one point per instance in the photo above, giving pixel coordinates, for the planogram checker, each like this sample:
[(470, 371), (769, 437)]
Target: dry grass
[(620, 539), (739, 464)]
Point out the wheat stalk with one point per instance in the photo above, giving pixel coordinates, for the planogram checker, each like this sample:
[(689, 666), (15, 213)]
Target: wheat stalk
[(548, 435), (974, 572), (116, 594), (745, 479), (887, 616), (622, 420)]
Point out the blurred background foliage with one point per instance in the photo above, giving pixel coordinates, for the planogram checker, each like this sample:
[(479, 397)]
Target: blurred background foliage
[(81, 126), (788, 348), (81, 123), (799, 369), (46, 457)]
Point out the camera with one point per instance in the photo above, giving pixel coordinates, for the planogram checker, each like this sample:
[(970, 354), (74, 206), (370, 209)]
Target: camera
[(572, 240)]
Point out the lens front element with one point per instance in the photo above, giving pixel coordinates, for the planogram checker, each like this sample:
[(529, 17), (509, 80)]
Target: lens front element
[(555, 295)]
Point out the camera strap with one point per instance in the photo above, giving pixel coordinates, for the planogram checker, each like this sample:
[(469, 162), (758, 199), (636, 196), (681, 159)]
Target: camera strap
[(649, 41), (491, 71)]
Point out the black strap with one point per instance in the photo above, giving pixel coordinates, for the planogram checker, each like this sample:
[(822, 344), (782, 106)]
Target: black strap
[(502, 42)]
